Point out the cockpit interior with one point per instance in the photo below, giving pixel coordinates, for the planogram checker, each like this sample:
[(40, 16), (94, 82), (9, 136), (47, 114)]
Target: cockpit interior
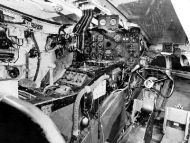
[(94, 71)]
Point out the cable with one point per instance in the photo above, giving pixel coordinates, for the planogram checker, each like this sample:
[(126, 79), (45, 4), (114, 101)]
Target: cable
[(164, 96), (39, 56), (87, 89)]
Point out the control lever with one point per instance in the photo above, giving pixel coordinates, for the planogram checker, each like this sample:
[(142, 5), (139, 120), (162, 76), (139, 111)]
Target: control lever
[(135, 68)]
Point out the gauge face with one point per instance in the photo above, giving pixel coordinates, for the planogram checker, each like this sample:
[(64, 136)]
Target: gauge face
[(102, 22), (113, 21), (119, 49), (108, 52), (117, 38), (87, 50), (100, 38)]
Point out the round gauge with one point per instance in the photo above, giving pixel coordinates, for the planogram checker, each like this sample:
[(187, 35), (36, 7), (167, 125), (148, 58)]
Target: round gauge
[(100, 38), (87, 50), (102, 22), (117, 38), (108, 52), (119, 49), (113, 21)]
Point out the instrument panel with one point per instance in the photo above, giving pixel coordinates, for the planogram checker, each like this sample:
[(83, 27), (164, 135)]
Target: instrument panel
[(115, 46)]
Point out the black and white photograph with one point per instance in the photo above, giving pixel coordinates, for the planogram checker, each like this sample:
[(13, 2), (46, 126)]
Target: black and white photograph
[(94, 71)]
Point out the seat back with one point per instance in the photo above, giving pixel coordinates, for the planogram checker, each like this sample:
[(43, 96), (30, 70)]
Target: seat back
[(176, 124), (22, 122)]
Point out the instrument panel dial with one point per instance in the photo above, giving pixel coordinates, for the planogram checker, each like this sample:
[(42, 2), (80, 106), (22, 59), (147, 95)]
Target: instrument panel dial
[(117, 38), (113, 22), (102, 22), (119, 49), (100, 38)]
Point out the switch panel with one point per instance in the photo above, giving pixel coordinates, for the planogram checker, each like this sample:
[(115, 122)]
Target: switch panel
[(74, 78)]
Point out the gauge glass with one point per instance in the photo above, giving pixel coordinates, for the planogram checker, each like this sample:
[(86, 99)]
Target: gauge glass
[(100, 37), (113, 22), (117, 38), (108, 52), (102, 22), (119, 49)]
